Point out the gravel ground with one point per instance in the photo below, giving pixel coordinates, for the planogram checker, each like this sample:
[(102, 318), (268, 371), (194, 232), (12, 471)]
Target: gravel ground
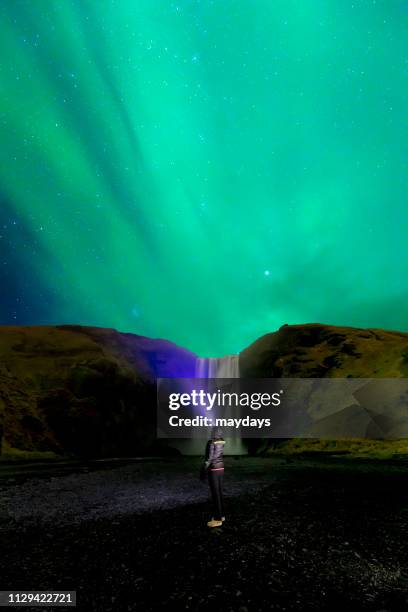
[(131, 489), (299, 535)]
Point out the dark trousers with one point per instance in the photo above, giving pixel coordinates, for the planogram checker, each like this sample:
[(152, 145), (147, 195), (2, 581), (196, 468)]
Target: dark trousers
[(215, 478)]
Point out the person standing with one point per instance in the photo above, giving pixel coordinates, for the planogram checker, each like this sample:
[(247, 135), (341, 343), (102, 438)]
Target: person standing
[(214, 463)]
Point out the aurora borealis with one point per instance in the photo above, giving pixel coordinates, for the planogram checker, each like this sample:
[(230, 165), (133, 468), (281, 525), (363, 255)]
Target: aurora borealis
[(204, 171)]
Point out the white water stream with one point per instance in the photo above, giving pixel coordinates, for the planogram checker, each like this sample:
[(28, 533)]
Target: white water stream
[(216, 368)]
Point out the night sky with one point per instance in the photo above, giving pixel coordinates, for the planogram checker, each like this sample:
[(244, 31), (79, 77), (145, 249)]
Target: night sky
[(204, 171)]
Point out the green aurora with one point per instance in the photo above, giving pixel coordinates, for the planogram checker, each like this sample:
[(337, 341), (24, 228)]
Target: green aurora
[(204, 171)]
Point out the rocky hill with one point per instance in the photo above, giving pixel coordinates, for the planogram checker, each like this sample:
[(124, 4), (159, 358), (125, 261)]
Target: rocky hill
[(319, 351), (91, 392), (82, 390), (359, 414)]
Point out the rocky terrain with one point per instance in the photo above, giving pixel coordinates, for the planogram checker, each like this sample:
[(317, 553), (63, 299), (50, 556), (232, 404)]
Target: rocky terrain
[(299, 535), (319, 351), (90, 392), (82, 390)]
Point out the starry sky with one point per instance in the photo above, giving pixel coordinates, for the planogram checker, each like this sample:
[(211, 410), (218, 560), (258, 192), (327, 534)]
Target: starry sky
[(204, 170)]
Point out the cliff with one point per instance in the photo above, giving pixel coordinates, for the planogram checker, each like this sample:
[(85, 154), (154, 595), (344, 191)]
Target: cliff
[(82, 390), (89, 391)]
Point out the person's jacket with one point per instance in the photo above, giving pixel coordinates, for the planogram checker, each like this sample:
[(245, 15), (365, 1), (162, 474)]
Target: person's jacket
[(214, 454)]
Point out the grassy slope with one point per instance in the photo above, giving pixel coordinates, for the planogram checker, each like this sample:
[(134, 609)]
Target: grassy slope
[(315, 350), (375, 449)]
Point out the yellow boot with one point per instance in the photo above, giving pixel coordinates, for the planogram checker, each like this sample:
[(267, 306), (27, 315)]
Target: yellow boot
[(214, 523)]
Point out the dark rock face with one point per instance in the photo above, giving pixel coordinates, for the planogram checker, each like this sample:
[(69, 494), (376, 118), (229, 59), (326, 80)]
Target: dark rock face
[(319, 351), (82, 390)]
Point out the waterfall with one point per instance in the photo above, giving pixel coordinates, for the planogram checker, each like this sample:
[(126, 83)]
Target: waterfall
[(217, 367), (222, 367)]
